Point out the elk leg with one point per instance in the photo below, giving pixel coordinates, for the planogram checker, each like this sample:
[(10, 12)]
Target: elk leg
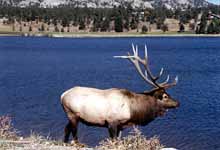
[(67, 132), (119, 132), (71, 127), (113, 130), (74, 124)]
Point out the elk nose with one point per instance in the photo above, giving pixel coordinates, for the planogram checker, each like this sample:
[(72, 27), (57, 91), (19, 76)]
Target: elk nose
[(178, 104)]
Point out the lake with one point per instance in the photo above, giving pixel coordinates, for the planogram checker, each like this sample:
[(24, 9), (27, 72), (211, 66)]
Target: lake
[(35, 72)]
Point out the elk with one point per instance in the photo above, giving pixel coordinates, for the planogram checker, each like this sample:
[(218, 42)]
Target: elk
[(116, 108)]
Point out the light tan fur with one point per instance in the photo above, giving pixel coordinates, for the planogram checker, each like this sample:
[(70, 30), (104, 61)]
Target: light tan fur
[(97, 106)]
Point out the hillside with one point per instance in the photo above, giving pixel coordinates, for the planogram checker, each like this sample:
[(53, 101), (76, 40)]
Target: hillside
[(170, 4)]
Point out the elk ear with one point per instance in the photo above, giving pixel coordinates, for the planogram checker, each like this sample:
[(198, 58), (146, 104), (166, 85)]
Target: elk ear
[(153, 91)]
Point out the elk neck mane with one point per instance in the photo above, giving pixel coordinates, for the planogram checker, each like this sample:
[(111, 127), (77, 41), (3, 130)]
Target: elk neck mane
[(143, 107)]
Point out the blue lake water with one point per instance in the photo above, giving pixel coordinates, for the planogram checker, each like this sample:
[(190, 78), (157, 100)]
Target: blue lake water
[(35, 71)]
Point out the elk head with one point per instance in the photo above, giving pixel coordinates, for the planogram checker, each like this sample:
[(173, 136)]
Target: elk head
[(164, 100)]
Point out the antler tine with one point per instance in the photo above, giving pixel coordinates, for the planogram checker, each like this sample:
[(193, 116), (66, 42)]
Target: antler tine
[(166, 81), (161, 72), (145, 54), (152, 77), (134, 50), (168, 85), (176, 79), (145, 63)]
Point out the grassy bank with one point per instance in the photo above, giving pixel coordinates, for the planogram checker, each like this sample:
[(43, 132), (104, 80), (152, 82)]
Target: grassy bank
[(105, 34), (9, 140)]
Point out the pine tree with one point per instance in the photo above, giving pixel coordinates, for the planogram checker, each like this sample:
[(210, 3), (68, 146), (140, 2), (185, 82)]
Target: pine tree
[(42, 27), (133, 24), (181, 27), (118, 22), (96, 23), (105, 25), (211, 28), (56, 29), (30, 28), (126, 24), (65, 22), (82, 25), (164, 27), (144, 29), (202, 25), (20, 28)]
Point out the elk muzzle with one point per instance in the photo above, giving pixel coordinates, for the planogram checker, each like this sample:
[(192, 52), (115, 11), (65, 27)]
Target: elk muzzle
[(171, 104)]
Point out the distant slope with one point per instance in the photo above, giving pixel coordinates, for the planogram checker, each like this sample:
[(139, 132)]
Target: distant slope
[(170, 4)]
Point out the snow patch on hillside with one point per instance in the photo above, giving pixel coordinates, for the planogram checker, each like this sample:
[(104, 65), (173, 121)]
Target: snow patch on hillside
[(170, 4)]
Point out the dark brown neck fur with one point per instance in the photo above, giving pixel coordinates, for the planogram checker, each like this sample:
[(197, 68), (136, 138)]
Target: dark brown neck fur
[(144, 108)]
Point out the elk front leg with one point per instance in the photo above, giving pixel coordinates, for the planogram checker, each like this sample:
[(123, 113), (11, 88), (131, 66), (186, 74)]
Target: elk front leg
[(113, 130)]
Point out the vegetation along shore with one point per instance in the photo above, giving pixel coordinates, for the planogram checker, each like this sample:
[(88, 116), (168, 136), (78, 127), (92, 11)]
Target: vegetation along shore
[(105, 35), (10, 140)]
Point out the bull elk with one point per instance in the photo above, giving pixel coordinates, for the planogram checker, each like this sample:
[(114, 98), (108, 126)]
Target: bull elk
[(116, 108)]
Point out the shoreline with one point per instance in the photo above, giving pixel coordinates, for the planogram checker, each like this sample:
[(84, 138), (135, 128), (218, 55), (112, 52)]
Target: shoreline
[(105, 35)]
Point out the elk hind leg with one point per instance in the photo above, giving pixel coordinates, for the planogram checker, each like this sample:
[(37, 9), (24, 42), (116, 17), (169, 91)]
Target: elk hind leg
[(67, 132), (113, 130), (71, 127)]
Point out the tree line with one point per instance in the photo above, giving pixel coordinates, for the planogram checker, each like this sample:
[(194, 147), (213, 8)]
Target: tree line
[(123, 17)]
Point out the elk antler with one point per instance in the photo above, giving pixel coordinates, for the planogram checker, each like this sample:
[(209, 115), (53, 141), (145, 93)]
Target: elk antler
[(152, 80)]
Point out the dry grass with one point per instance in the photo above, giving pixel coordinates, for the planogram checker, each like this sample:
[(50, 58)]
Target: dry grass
[(10, 141), (6, 129), (134, 141), (37, 142)]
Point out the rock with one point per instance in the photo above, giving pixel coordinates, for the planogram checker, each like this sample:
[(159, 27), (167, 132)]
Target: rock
[(169, 149)]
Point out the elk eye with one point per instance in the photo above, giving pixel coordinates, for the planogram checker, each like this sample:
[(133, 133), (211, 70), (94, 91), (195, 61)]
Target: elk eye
[(160, 97)]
